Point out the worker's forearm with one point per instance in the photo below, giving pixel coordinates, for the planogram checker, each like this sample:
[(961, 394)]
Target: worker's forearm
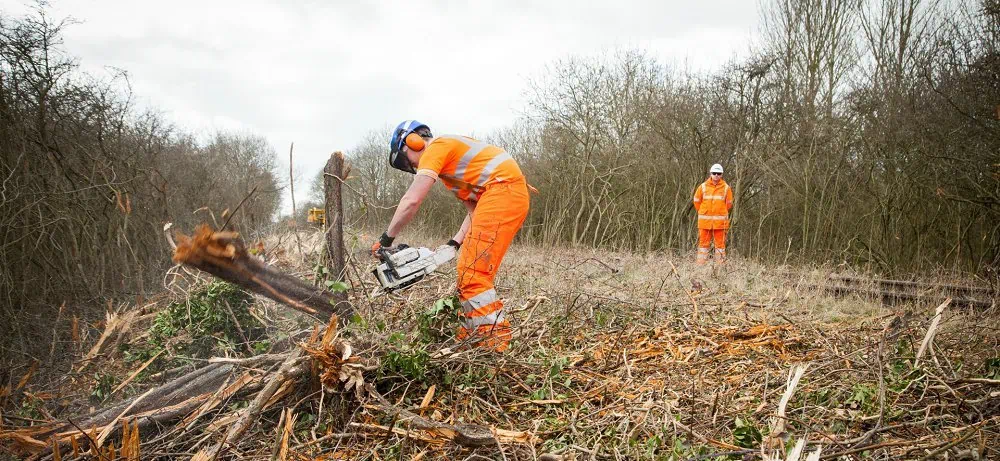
[(470, 206), (405, 212), (460, 236)]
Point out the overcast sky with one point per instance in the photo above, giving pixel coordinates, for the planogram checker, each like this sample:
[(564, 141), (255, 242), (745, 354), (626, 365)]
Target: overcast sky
[(324, 73)]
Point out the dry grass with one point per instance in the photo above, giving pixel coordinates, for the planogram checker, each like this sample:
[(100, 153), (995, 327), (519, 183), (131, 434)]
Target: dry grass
[(614, 364), (615, 355)]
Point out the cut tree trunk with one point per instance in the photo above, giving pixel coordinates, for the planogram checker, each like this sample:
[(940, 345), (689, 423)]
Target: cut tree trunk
[(335, 173), (223, 255)]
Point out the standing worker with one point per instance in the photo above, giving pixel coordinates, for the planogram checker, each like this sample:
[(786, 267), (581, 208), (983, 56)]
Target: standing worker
[(491, 186), (712, 200)]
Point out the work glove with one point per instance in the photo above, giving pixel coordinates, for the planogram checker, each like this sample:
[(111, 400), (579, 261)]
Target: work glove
[(446, 252), (383, 242)]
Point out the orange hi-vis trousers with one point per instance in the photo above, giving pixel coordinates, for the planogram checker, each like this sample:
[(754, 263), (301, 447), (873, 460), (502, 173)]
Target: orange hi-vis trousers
[(499, 214), (705, 239)]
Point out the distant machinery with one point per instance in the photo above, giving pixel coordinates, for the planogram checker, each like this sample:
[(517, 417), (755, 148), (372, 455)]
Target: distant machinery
[(317, 216)]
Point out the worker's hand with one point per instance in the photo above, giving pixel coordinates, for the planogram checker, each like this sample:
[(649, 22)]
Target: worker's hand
[(383, 242), (446, 252)]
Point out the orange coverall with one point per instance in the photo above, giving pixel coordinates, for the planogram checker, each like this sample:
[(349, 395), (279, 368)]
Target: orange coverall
[(712, 202), (482, 173)]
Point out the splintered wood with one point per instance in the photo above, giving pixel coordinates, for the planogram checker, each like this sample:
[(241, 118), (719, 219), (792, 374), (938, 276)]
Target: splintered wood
[(223, 255), (333, 361)]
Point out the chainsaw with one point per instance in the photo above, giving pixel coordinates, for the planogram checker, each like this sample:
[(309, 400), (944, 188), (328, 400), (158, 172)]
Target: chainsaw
[(402, 265)]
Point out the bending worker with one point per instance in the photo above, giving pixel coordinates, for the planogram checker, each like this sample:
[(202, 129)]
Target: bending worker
[(491, 186), (712, 200)]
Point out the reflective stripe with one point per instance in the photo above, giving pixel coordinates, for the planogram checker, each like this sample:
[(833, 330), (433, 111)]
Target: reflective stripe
[(491, 319), (480, 300), (713, 218), (474, 149), (429, 173), (696, 200), (703, 250), (725, 191), (720, 250), (492, 165)]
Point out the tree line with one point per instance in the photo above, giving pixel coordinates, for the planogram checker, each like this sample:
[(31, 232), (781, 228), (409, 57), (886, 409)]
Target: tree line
[(864, 133), (88, 182)]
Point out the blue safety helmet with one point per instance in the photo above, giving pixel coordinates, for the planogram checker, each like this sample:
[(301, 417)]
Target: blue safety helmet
[(398, 139)]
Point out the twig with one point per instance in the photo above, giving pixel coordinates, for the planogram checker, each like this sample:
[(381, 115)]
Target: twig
[(364, 197), (744, 452), (694, 303), (93, 443), (345, 435), (238, 206), (949, 446), (931, 331), (136, 372), (239, 328), (291, 191)]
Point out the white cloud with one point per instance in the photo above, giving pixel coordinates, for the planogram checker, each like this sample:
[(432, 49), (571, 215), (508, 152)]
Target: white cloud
[(324, 73)]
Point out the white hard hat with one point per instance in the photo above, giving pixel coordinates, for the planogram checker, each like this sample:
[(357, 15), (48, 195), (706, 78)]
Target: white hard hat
[(715, 168)]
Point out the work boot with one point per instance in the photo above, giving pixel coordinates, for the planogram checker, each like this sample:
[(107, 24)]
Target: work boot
[(492, 337), (702, 258)]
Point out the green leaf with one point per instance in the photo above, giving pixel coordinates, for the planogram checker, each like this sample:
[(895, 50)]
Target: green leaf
[(993, 368), (336, 286), (745, 434)]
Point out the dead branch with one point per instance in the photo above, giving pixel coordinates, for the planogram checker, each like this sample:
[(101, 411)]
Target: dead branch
[(222, 254), (290, 369), (467, 435), (925, 345)]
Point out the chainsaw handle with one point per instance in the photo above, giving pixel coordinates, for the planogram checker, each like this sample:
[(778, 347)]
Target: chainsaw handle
[(384, 253)]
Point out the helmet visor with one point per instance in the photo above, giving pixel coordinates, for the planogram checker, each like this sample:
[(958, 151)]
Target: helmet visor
[(399, 161)]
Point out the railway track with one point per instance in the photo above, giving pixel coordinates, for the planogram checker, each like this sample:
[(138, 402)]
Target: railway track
[(894, 291)]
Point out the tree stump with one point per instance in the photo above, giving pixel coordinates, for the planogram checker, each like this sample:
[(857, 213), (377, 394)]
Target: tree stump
[(334, 174)]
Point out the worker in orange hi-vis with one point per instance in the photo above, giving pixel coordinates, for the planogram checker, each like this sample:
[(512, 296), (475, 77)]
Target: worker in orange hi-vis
[(494, 191), (712, 200)]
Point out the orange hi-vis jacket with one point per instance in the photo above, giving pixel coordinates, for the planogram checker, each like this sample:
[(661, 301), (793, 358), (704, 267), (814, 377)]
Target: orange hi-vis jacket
[(713, 202), (487, 175), (466, 165)]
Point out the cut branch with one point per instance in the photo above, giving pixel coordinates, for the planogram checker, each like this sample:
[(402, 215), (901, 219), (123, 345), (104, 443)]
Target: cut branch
[(223, 255)]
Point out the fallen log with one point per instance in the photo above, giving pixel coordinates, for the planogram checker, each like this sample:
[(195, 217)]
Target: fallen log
[(168, 402), (169, 394), (290, 369), (224, 255)]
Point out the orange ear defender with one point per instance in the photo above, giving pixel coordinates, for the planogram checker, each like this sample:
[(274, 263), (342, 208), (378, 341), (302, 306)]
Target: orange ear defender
[(415, 142)]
